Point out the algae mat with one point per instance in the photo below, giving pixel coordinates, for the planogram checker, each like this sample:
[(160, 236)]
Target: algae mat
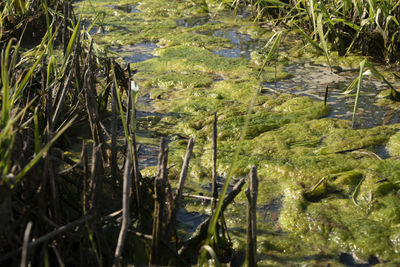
[(325, 197)]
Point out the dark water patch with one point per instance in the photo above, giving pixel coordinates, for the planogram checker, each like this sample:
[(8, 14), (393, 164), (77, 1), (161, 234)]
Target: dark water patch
[(192, 21), (271, 212), (219, 79), (149, 142), (144, 107), (130, 8), (352, 261), (94, 29), (189, 221), (243, 43), (234, 52), (220, 184), (391, 117), (137, 52), (381, 151), (147, 155), (312, 80)]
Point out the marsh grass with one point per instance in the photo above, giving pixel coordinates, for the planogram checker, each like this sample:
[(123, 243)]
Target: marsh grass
[(372, 25), (43, 93), (357, 83), (340, 25)]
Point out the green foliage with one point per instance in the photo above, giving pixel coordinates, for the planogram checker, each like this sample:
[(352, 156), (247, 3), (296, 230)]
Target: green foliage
[(343, 22), (365, 63)]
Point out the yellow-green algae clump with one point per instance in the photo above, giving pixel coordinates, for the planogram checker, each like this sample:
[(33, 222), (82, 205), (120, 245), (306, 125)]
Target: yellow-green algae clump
[(322, 190)]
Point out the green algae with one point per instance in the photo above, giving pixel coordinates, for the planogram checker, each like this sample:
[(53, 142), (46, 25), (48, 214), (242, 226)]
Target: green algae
[(333, 200), (393, 146), (185, 80), (194, 39), (256, 32), (156, 19)]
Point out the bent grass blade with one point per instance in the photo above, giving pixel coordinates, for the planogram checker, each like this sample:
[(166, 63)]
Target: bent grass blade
[(37, 157)]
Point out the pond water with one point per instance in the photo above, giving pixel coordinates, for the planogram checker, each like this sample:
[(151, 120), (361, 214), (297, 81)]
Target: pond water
[(243, 44), (285, 210), (192, 21), (136, 53), (130, 8), (311, 80)]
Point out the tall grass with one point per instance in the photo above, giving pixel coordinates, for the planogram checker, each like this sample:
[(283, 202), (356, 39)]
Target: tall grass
[(357, 83), (372, 25), (38, 86)]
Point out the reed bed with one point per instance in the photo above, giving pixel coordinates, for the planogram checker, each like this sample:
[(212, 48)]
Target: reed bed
[(91, 208), (370, 27)]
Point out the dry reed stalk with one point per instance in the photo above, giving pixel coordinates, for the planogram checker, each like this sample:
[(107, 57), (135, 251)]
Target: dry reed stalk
[(61, 101), (85, 178), (214, 159), (95, 183), (174, 206), (24, 257), (114, 133), (137, 177), (193, 244), (56, 232), (159, 205), (251, 194), (125, 211), (182, 177)]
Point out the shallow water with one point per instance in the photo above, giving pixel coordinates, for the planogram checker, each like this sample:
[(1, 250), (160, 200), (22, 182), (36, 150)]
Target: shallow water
[(308, 79), (136, 53), (311, 80), (243, 44), (130, 8), (192, 21)]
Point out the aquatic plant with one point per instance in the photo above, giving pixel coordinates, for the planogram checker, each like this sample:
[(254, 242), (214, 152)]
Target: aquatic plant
[(372, 25), (394, 94)]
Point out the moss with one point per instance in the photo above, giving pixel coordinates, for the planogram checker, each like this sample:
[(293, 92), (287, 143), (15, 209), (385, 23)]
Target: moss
[(345, 63), (355, 209), (194, 39), (348, 139), (256, 32), (195, 58), (393, 146)]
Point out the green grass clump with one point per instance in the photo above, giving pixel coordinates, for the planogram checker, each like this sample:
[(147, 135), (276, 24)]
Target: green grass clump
[(393, 146)]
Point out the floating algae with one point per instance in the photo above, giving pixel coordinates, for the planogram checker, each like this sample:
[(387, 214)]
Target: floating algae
[(324, 197)]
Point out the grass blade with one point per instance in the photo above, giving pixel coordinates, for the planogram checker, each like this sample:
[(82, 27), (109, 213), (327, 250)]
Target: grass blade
[(311, 41), (37, 157), (5, 90), (277, 36), (360, 76), (121, 110), (322, 38), (215, 216), (212, 254), (351, 87)]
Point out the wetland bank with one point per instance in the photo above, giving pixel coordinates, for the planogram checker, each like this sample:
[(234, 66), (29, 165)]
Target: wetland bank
[(329, 192), (329, 188)]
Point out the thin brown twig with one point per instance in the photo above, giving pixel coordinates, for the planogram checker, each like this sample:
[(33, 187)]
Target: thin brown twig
[(125, 211), (56, 232), (198, 197), (214, 159), (58, 256)]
